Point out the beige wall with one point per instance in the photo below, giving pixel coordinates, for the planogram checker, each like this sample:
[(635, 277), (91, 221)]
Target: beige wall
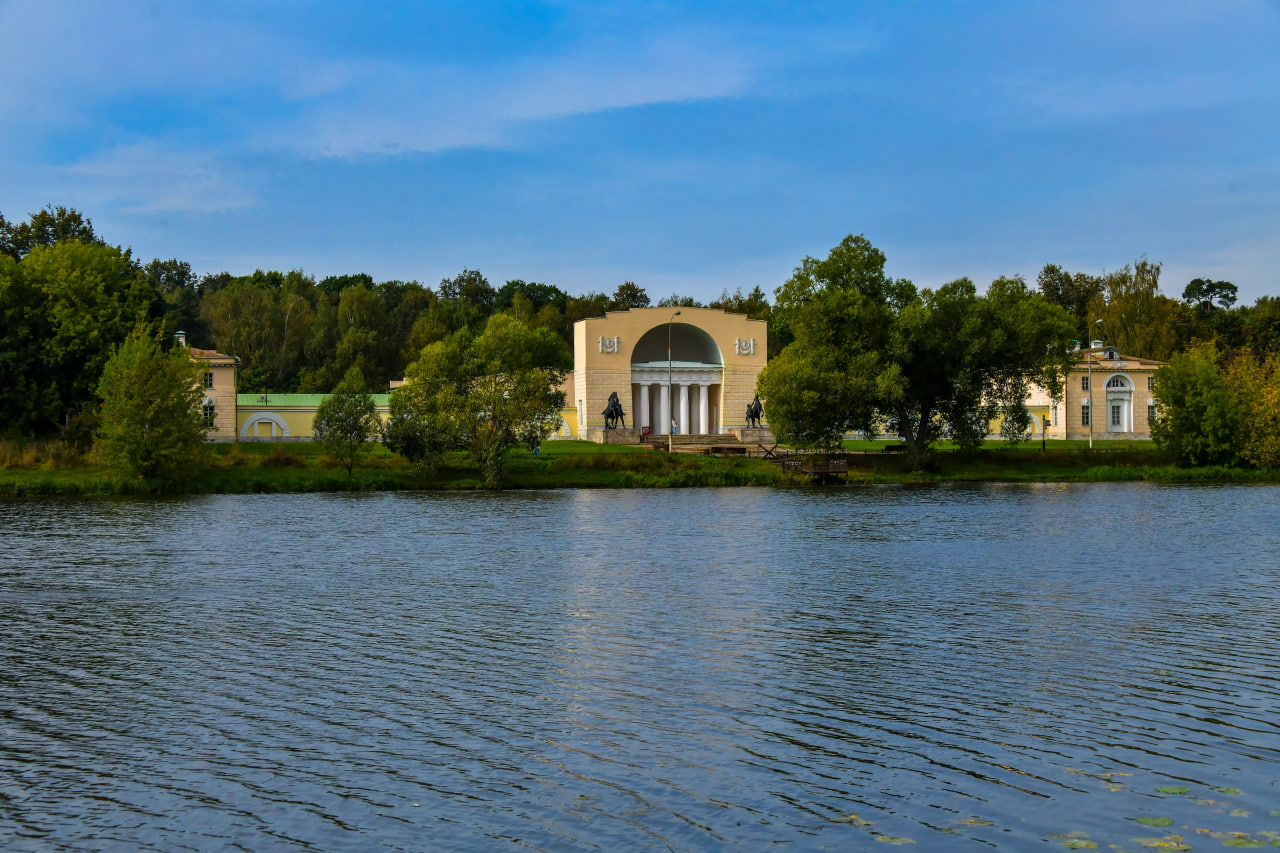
[(598, 373), (222, 391), (1070, 423)]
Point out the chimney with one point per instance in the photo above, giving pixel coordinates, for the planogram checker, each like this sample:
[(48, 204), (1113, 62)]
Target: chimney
[(181, 338)]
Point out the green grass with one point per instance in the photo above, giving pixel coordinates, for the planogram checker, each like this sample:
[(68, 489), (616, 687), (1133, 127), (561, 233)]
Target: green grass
[(304, 467)]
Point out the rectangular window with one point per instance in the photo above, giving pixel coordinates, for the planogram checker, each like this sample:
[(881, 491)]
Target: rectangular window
[(1084, 383), (209, 410), (1151, 413), (1084, 415), (1055, 414), (1151, 383), (1115, 415), (208, 379)]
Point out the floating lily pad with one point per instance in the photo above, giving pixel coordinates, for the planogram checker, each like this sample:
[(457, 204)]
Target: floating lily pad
[(1244, 842), (1239, 813), (973, 821), (854, 819), (1169, 842), (1154, 821), (1228, 790), (1275, 812), (1171, 789), (1079, 844), (889, 839)]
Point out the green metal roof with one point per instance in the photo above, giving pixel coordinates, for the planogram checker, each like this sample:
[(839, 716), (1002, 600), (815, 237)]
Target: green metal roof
[(294, 401)]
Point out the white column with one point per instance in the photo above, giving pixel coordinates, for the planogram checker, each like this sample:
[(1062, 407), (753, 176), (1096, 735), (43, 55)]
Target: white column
[(664, 409), (704, 408), (684, 408), (644, 407)]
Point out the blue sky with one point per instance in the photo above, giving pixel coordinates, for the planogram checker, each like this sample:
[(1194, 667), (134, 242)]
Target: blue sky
[(687, 147)]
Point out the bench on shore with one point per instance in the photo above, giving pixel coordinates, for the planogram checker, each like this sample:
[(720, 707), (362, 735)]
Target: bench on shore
[(894, 448)]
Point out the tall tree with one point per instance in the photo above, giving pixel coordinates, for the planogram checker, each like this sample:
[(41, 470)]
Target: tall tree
[(45, 227), (870, 351), (1072, 291), (333, 285), (151, 421), (347, 420), (1207, 294), (179, 291), (675, 300), (487, 395), (629, 295), (538, 294), (472, 287), (754, 304), (1198, 419), (1135, 317), (76, 300)]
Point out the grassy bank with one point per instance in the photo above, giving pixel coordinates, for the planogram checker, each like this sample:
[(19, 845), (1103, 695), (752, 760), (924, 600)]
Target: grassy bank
[(303, 467)]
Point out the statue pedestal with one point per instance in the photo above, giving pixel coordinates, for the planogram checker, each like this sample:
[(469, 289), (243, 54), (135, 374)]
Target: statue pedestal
[(622, 435), (754, 435)]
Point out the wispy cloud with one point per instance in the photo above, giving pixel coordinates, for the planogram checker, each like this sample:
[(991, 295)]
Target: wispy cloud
[(147, 178)]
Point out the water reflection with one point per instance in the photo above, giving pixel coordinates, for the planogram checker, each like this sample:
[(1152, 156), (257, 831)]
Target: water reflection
[(961, 666)]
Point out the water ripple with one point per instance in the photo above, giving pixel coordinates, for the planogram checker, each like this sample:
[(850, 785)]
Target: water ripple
[(962, 666)]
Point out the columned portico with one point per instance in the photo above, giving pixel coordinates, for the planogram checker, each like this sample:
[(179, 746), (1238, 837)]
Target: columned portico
[(692, 417), (708, 357)]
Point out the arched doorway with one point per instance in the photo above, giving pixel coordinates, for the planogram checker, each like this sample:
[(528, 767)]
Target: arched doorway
[(679, 389), (1119, 411)]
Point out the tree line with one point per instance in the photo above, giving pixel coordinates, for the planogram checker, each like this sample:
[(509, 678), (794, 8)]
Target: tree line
[(67, 297), (849, 346)]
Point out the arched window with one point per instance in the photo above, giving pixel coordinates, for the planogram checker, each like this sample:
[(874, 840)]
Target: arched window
[(1117, 382)]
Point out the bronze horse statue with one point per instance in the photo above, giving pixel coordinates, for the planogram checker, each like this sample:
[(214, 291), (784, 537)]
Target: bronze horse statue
[(613, 413), (754, 411)]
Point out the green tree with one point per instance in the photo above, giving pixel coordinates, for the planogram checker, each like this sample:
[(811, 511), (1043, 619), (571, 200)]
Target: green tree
[(348, 420), (264, 319), (1136, 318), (1071, 291), (486, 395), (675, 300), (629, 295), (1207, 294), (179, 290), (1198, 418), (539, 294), (151, 421), (1255, 386), (870, 350), (45, 227), (66, 306), (591, 304), (754, 304), (1262, 325), (333, 285)]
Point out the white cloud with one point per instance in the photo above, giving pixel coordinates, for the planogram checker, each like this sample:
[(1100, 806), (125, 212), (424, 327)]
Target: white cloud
[(149, 178)]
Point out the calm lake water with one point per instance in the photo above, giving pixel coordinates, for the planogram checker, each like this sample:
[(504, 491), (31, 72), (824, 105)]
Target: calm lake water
[(964, 667)]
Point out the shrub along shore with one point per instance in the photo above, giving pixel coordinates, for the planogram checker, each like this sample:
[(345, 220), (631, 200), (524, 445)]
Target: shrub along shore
[(303, 467)]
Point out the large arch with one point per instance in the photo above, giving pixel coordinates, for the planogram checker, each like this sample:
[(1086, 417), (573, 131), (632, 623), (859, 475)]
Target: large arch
[(688, 344), (249, 428)]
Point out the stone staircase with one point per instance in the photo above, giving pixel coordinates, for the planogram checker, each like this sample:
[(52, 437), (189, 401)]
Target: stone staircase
[(696, 440)]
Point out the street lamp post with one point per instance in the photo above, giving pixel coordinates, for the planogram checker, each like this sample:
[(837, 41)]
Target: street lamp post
[(670, 402), (1089, 355)]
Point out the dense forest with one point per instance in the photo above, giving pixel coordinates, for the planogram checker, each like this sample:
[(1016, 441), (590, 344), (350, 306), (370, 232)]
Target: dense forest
[(67, 297)]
